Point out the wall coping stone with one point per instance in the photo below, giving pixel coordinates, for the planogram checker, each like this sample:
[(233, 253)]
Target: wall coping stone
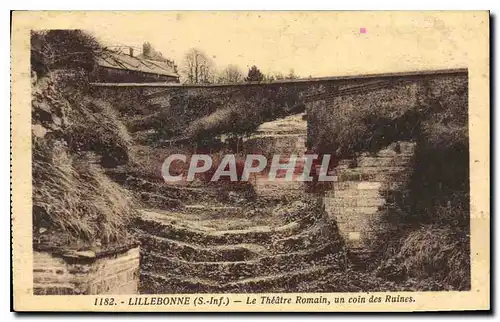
[(87, 255)]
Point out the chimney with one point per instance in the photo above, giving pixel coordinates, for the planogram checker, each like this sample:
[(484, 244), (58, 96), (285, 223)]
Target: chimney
[(131, 51)]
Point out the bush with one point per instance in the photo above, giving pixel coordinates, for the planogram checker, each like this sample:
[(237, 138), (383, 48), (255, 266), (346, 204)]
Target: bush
[(128, 102), (243, 113), (63, 49), (438, 254), (364, 122)]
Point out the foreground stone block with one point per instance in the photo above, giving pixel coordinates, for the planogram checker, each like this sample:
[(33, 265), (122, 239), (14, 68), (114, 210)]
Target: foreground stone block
[(88, 272)]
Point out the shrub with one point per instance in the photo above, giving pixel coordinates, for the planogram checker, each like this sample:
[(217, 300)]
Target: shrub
[(433, 243), (63, 49), (245, 111), (435, 253), (364, 122)]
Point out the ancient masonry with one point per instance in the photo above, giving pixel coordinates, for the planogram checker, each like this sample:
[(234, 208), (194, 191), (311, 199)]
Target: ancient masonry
[(218, 249), (209, 246), (362, 199), (85, 273), (286, 137)]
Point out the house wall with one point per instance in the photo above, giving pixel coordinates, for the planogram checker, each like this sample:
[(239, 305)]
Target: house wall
[(113, 75)]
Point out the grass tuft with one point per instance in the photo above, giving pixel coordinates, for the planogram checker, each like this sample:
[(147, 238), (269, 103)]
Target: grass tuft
[(74, 201)]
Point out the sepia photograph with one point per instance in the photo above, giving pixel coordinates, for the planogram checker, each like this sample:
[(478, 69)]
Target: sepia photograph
[(273, 156)]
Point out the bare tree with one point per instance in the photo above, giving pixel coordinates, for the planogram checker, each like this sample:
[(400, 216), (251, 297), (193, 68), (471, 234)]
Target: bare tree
[(198, 67), (230, 74), (291, 74), (279, 76)]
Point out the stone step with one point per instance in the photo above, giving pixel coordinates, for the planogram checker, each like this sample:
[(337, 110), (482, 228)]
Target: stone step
[(160, 201), (285, 282), (321, 232), (192, 231), (223, 272), (193, 252), (221, 220), (375, 174), (188, 195), (400, 160)]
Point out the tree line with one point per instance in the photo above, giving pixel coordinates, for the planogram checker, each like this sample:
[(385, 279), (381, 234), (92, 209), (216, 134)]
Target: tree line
[(199, 68)]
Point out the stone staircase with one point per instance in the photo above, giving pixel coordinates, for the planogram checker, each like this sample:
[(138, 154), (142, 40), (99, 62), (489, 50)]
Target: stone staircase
[(194, 241), (186, 251)]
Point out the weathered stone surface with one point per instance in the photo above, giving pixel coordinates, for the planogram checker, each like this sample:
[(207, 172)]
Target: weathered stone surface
[(284, 137), (86, 273), (360, 200)]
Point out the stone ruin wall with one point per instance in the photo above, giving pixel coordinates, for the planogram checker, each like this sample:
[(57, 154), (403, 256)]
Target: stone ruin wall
[(286, 137), (86, 273), (362, 199)]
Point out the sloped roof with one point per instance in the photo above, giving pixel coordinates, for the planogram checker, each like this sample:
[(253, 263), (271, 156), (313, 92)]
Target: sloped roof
[(127, 62)]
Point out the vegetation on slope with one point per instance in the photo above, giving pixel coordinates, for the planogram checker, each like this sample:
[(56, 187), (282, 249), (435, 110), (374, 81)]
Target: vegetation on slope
[(209, 113), (75, 205), (434, 243)]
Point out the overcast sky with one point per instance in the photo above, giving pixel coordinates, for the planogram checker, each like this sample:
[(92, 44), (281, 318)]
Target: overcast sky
[(312, 43)]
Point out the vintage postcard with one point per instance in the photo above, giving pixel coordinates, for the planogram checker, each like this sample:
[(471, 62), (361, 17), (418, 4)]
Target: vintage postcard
[(250, 161)]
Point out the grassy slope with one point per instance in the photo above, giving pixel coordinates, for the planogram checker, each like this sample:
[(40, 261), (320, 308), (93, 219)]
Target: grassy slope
[(75, 205)]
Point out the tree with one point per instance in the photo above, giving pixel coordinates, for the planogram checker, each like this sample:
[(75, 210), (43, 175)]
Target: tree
[(254, 75), (230, 74), (269, 78), (291, 74), (149, 52), (64, 49), (279, 76), (198, 67)]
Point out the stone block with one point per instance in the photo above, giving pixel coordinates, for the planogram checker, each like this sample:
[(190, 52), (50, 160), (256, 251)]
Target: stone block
[(356, 193), (81, 274)]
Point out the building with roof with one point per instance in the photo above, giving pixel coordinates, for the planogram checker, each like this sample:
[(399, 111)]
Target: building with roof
[(115, 67)]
